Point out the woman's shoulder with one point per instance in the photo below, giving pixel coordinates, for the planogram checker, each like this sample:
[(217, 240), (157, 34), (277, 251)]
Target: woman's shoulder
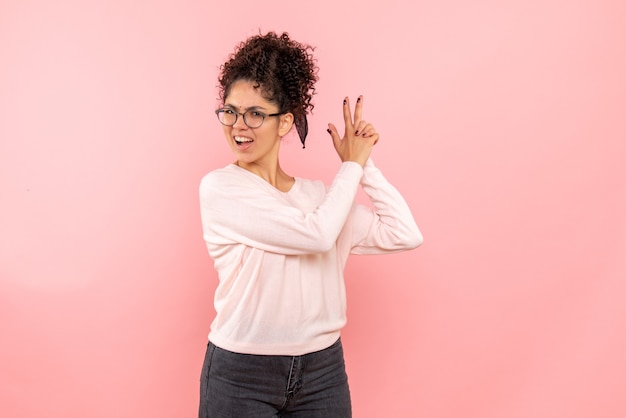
[(309, 182), (308, 186), (230, 171), (223, 177)]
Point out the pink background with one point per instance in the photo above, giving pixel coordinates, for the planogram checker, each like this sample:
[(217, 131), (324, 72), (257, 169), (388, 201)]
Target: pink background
[(503, 123)]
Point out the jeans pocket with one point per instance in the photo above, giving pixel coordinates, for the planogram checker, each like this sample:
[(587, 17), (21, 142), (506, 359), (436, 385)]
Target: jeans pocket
[(204, 381), (206, 365)]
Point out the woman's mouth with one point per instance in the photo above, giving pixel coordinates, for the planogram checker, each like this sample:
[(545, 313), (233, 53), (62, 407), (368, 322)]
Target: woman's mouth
[(243, 141)]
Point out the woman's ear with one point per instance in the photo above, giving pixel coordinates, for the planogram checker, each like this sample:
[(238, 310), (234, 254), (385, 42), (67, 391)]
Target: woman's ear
[(285, 124)]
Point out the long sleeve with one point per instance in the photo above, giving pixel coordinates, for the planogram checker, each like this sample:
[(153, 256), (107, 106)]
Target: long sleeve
[(390, 226), (241, 208)]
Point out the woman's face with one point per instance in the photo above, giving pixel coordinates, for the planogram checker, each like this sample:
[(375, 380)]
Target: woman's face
[(254, 145)]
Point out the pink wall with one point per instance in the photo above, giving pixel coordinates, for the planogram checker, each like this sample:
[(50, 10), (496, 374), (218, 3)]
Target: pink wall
[(502, 123)]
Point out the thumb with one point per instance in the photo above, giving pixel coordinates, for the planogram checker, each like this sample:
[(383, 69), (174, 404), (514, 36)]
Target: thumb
[(332, 130)]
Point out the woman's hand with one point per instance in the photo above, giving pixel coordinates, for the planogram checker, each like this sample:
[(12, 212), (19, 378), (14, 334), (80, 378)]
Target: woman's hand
[(359, 136)]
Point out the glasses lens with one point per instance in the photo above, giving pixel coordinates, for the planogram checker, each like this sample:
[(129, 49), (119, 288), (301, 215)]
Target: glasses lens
[(227, 116), (253, 118)]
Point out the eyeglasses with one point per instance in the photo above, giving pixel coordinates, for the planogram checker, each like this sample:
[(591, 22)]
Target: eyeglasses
[(252, 118)]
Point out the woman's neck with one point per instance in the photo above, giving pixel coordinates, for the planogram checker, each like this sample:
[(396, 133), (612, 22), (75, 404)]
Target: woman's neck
[(272, 173)]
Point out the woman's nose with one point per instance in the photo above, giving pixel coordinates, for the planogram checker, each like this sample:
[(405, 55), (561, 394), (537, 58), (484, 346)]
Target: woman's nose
[(240, 123)]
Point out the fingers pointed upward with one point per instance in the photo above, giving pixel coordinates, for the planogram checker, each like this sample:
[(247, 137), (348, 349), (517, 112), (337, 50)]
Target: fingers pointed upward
[(347, 115), (358, 111)]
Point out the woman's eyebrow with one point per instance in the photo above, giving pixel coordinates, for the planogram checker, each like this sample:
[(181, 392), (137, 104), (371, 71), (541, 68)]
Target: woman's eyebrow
[(232, 106)]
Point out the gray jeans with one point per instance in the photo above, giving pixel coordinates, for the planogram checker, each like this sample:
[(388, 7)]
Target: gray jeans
[(237, 385)]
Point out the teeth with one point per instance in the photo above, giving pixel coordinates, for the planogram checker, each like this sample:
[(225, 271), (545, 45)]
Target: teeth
[(241, 139)]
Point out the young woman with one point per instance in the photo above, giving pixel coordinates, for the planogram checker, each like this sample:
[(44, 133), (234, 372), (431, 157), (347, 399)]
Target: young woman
[(280, 243)]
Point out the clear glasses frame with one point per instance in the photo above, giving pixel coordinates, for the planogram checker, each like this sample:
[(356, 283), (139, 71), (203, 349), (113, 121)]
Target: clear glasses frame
[(252, 118)]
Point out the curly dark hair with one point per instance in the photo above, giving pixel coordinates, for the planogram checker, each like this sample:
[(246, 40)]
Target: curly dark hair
[(284, 69)]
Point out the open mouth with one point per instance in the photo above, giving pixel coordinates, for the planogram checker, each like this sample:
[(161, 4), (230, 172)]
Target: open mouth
[(241, 140)]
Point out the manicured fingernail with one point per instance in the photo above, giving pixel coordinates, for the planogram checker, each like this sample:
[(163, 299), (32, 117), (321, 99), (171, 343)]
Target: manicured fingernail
[(345, 101), (328, 130), (358, 100), (356, 132)]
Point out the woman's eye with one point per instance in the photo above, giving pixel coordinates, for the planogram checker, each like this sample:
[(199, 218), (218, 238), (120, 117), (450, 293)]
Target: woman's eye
[(228, 111), (256, 114)]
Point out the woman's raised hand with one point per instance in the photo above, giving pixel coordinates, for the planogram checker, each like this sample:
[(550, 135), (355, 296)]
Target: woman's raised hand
[(359, 136)]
